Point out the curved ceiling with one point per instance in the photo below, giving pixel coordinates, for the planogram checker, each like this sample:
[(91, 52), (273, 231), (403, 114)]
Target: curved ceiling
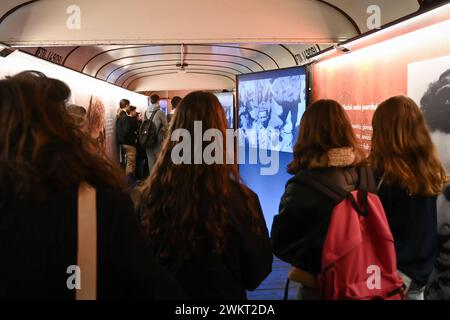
[(215, 41), (141, 67), (197, 21)]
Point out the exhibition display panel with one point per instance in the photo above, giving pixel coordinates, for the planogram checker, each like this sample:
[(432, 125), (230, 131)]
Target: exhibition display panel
[(270, 105)]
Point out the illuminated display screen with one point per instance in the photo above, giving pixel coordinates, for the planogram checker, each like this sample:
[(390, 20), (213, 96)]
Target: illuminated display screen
[(270, 106)]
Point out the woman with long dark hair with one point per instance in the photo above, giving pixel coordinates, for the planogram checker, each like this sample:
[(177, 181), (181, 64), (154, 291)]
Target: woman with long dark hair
[(44, 158), (326, 150), (201, 221), (411, 177)]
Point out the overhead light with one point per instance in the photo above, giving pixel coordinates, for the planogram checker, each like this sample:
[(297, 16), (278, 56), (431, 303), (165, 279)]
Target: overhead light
[(408, 24), (394, 46), (340, 47), (323, 54), (182, 67), (309, 62)]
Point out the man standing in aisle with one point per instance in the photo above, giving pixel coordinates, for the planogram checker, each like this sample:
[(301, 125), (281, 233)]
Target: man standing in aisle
[(158, 117), (126, 138), (119, 130)]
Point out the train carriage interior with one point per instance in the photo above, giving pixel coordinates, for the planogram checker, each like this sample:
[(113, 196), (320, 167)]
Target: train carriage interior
[(268, 62)]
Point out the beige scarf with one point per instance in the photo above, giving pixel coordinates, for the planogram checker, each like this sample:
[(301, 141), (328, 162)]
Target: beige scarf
[(337, 157)]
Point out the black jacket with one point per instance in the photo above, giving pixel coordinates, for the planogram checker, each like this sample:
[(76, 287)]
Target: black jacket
[(300, 228), (245, 263), (38, 242), (438, 287), (126, 129), (413, 223)]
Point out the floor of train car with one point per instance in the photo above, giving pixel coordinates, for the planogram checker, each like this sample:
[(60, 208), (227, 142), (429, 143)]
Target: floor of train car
[(273, 287)]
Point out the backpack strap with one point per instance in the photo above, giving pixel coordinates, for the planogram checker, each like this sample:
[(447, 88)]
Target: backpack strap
[(153, 113), (338, 194), (381, 182), (151, 119), (367, 180), (87, 242)]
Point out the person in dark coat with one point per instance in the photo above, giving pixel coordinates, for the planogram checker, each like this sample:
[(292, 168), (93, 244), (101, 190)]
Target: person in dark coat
[(141, 155), (44, 156), (126, 136), (438, 288), (411, 177), (202, 223), (134, 125), (174, 102), (327, 148), (160, 122)]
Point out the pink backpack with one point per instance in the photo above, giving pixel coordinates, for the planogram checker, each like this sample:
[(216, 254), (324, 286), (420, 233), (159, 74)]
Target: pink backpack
[(358, 259)]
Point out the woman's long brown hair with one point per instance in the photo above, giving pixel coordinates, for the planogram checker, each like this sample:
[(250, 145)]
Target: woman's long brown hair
[(402, 148), (184, 206), (324, 126), (41, 145)]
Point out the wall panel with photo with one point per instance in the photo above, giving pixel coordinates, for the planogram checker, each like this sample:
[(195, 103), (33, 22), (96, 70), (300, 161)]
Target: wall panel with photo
[(416, 64), (269, 105), (100, 99)]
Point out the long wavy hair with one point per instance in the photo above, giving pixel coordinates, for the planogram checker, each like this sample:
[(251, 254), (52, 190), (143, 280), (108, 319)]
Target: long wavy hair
[(324, 126), (42, 146), (403, 150), (184, 206)]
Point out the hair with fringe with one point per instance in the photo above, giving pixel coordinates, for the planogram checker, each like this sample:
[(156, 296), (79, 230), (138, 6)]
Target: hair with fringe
[(402, 148), (324, 126)]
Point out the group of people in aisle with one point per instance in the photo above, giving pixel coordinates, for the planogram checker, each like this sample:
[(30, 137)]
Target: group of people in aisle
[(136, 158)]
